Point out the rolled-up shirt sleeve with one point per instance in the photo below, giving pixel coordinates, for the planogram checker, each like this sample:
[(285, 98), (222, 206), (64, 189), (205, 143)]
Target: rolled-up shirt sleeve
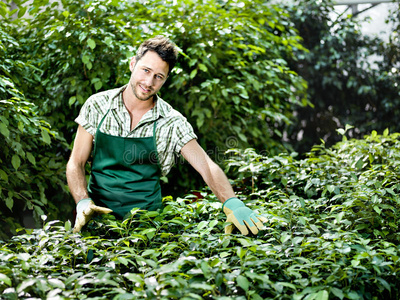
[(184, 133), (86, 117)]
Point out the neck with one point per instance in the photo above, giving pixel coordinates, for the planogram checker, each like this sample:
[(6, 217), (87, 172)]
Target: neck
[(133, 104)]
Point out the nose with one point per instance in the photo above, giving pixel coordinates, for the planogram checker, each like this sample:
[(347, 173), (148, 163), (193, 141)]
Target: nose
[(149, 80)]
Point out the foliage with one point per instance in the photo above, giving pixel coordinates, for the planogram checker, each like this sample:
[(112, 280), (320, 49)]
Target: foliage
[(331, 233), (232, 81), (81, 48), (356, 180), (353, 78), (29, 169), (234, 84)]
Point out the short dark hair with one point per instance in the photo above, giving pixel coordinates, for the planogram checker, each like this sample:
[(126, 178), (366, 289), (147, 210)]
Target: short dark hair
[(163, 46)]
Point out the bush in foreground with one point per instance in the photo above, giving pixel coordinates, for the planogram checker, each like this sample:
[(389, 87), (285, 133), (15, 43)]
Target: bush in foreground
[(331, 234)]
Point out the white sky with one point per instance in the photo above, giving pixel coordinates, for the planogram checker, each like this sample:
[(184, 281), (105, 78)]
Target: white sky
[(378, 14)]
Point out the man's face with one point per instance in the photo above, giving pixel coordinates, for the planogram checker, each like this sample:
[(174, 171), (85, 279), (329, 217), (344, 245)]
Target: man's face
[(148, 75)]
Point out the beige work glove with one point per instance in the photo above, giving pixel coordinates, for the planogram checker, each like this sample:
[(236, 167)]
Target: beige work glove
[(242, 217), (84, 211)]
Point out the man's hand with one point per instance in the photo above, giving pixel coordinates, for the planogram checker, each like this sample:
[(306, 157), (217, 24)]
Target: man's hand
[(242, 217), (84, 211)]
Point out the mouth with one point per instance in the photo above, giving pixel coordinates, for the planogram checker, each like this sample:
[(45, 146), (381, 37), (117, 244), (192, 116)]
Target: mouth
[(145, 90)]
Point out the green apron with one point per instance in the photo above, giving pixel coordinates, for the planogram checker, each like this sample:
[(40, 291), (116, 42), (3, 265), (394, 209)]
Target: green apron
[(125, 173)]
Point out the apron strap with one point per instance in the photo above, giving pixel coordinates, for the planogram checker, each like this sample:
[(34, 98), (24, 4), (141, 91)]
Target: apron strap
[(108, 110), (155, 142)]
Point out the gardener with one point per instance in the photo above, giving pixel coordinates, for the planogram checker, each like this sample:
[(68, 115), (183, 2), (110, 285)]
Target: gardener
[(135, 135)]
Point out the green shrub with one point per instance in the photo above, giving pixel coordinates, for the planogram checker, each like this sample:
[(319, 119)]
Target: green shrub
[(357, 181), (323, 240), (232, 81), (30, 170)]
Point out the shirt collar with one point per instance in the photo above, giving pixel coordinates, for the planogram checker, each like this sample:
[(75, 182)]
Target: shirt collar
[(161, 108), (118, 104)]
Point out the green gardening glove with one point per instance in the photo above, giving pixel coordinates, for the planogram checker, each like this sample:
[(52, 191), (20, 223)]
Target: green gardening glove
[(242, 217), (84, 211)]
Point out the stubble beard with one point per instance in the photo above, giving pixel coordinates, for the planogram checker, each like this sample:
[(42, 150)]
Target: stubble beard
[(135, 87)]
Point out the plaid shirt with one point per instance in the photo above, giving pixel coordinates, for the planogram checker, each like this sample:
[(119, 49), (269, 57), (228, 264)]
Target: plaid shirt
[(172, 133)]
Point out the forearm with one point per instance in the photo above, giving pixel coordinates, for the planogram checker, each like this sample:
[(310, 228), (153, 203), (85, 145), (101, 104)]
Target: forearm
[(77, 181), (218, 182), (212, 174)]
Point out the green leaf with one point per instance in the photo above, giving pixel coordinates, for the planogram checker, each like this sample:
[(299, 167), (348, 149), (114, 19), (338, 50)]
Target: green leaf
[(202, 225), (31, 158), (315, 229), (10, 203), (71, 100), (149, 232), (134, 278), (339, 217), (353, 295), (287, 284), (193, 74), (5, 279), (85, 59), (322, 295), (330, 188), (91, 43), (54, 282), (3, 175), (213, 223), (65, 13), (22, 11), (25, 284), (45, 136), (3, 9), (4, 130), (203, 68), (38, 210), (21, 126), (108, 41), (98, 85), (206, 269), (377, 209), (15, 161), (244, 94), (151, 214), (285, 237), (241, 252), (201, 286), (386, 132), (243, 282), (67, 225), (224, 254), (359, 164), (384, 283), (123, 261), (341, 131), (337, 292)]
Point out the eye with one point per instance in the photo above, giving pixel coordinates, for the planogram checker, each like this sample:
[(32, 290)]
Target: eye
[(159, 77)]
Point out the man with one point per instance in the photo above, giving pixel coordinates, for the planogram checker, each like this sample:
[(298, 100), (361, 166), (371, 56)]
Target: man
[(135, 135)]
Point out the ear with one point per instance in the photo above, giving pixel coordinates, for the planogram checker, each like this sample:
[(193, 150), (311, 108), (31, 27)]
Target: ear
[(132, 63)]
